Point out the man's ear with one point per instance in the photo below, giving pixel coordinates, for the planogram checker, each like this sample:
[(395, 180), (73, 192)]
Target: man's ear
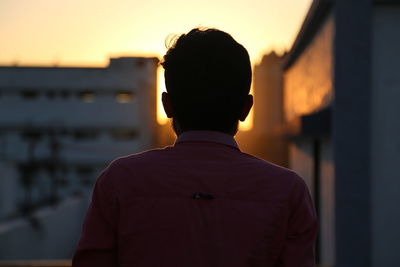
[(248, 103), (167, 104)]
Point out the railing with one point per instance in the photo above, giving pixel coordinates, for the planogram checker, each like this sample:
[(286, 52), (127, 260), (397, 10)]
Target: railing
[(32, 263), (56, 263)]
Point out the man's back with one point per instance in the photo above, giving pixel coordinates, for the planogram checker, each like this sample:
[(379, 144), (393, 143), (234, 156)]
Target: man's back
[(201, 202)]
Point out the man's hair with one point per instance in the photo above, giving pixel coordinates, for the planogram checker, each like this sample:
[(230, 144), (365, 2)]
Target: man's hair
[(208, 77)]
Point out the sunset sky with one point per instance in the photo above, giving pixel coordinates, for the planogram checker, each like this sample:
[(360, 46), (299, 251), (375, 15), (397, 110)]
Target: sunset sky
[(88, 32)]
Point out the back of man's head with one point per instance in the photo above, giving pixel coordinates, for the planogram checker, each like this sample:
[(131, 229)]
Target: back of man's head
[(208, 77)]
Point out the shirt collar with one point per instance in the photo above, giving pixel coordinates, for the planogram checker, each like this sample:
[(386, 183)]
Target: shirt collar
[(207, 136)]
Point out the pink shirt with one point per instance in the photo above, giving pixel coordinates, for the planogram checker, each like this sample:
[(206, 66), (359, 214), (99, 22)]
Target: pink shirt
[(199, 203)]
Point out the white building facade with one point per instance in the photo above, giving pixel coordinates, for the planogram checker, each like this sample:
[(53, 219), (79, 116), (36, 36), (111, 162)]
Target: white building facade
[(60, 126)]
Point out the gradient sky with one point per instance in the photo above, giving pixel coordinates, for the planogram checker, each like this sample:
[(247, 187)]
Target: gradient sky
[(88, 32)]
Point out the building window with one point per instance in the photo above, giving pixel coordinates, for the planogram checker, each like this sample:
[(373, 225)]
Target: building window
[(65, 132), (31, 134), (124, 97), (87, 96), (85, 134), (124, 135), (29, 94), (65, 94), (50, 94), (86, 174), (84, 170)]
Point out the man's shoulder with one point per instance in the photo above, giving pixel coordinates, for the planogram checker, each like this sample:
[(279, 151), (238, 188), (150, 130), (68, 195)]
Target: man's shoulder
[(269, 173), (139, 158), (270, 167), (149, 156), (122, 167), (163, 156)]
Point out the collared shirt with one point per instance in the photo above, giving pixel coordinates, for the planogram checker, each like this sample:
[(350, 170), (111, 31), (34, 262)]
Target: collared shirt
[(201, 202)]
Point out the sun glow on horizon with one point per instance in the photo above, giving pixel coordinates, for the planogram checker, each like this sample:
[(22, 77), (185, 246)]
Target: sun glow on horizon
[(247, 125), (67, 33), (162, 118)]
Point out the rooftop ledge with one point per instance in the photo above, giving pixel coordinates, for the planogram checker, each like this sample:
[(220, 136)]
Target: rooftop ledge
[(58, 263), (36, 263)]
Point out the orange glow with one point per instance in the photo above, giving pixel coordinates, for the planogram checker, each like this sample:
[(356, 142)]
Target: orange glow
[(308, 82), (76, 33), (87, 97), (247, 125), (161, 116), (124, 97)]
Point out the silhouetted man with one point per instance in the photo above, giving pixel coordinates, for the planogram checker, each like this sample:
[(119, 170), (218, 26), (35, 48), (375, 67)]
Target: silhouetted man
[(201, 202)]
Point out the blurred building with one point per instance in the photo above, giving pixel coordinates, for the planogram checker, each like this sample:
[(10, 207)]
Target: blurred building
[(340, 91), (59, 127), (263, 140), (308, 98)]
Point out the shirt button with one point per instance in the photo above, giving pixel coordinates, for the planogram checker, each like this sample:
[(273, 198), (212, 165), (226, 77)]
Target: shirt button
[(197, 195)]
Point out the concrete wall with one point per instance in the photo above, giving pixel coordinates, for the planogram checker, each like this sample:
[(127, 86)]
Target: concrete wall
[(327, 203), (351, 132), (385, 135), (308, 88), (8, 187), (301, 160), (308, 82), (53, 234)]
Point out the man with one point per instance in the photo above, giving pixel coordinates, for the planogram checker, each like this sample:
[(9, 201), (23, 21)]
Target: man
[(201, 202)]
